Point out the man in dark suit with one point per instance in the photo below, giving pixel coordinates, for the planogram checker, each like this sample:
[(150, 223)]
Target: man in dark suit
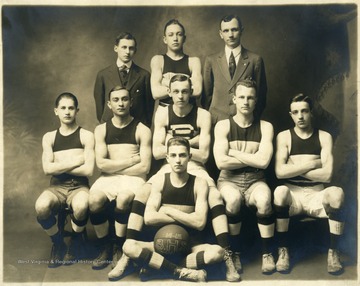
[(127, 74), (223, 70)]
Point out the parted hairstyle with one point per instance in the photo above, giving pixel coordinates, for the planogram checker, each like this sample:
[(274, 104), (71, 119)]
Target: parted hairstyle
[(301, 97), (125, 35), (228, 18), (247, 82), (117, 88), (174, 22), (180, 77)]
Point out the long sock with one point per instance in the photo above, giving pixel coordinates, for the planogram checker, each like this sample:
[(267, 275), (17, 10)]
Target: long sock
[(155, 260), (121, 220), (336, 226), (100, 223), (50, 227), (282, 224), (136, 220), (234, 232), (78, 226), (266, 227), (195, 260), (220, 225)]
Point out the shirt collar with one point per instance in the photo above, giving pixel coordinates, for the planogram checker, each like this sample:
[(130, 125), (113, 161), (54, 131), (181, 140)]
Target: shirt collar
[(119, 63), (236, 52)]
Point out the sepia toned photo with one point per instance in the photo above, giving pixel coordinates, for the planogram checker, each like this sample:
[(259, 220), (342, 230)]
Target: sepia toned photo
[(173, 143)]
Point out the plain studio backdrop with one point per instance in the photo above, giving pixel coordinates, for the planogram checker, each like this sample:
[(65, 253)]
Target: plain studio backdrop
[(51, 49)]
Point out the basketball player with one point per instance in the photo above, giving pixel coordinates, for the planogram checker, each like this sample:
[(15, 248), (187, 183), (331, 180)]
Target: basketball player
[(163, 67), (243, 149), (304, 161), (181, 198), (123, 153), (68, 155)]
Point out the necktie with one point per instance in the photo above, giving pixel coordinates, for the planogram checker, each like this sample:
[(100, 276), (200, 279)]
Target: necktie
[(232, 65), (123, 70)]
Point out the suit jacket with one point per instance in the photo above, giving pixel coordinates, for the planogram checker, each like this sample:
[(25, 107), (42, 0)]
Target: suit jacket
[(219, 87), (138, 85)]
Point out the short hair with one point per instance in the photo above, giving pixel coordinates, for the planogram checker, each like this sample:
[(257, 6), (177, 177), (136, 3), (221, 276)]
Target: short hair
[(125, 35), (174, 22), (301, 97), (178, 141), (117, 88), (66, 95), (180, 77), (228, 18), (247, 82)]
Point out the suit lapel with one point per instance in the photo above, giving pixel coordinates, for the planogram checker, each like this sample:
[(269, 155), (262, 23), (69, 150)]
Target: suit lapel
[(241, 66), (114, 75), (224, 66), (133, 76)]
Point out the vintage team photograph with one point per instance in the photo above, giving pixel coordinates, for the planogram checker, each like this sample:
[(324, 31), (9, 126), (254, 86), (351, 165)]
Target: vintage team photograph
[(170, 143)]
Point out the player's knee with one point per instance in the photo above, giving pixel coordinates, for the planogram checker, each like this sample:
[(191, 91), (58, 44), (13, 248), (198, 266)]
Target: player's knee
[(335, 196), (214, 197), (43, 208), (215, 254), (263, 204), (281, 195), (233, 206), (123, 202), (96, 202)]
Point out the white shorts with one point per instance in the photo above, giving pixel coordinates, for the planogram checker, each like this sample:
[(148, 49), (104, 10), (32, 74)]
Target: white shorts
[(307, 200), (112, 185), (193, 169)]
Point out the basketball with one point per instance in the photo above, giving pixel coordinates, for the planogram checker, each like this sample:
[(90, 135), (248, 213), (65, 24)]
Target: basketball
[(171, 239)]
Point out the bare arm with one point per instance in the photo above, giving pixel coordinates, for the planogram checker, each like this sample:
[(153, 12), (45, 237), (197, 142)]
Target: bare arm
[(104, 163), (152, 216), (159, 89), (221, 148), (284, 168), (87, 168), (51, 167), (196, 77), (196, 219), (143, 135), (324, 172), (159, 138), (262, 157)]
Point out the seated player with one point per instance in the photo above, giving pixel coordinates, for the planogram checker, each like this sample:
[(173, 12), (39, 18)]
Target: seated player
[(243, 149), (180, 198), (304, 161), (68, 155), (123, 153)]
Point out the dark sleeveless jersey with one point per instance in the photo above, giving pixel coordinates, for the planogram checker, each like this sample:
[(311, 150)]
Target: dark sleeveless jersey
[(308, 146), (71, 141), (68, 142), (171, 66), (183, 196), (186, 126), (125, 135)]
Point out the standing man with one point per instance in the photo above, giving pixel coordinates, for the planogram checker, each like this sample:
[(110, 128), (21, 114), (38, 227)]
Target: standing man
[(180, 198), (68, 155), (163, 67), (123, 154), (243, 149), (127, 74), (304, 161), (223, 70)]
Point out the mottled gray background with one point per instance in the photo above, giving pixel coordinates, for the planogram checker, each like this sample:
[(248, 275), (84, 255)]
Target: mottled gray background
[(49, 50)]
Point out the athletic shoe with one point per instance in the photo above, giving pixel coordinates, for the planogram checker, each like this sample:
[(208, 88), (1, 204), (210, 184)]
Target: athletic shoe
[(117, 254), (334, 265), (119, 270), (268, 264), (103, 258), (57, 254), (283, 264), (193, 275), (231, 274), (237, 262)]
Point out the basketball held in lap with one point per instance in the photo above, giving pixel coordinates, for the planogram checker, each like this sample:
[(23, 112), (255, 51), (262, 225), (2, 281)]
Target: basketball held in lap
[(171, 239)]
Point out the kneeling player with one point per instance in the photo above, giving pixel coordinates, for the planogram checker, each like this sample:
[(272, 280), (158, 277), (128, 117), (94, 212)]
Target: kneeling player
[(304, 160), (68, 155)]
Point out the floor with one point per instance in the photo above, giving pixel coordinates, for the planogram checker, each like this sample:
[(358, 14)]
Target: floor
[(27, 249)]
